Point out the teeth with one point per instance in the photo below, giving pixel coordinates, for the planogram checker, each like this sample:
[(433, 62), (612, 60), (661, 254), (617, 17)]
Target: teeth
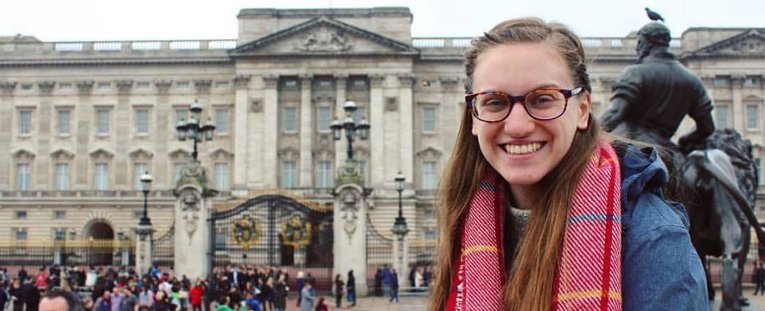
[(521, 149)]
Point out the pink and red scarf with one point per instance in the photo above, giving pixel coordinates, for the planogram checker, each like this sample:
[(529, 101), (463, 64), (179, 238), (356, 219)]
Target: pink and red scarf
[(588, 274)]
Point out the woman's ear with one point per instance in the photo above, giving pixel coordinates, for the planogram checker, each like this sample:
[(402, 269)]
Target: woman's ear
[(584, 109)]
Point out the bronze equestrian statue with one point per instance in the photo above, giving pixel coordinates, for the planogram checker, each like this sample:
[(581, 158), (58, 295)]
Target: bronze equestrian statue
[(712, 172)]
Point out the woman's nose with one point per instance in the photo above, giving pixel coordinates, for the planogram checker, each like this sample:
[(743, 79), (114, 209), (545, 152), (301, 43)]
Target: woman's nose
[(518, 123)]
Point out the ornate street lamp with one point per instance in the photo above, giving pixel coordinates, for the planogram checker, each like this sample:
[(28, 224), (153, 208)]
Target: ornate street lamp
[(146, 187), (399, 227), (193, 129), (350, 127)]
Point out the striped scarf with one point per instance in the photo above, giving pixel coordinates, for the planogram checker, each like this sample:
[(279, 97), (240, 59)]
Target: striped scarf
[(588, 274)]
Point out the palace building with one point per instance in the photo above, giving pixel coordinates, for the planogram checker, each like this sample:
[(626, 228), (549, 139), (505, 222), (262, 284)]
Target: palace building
[(80, 122)]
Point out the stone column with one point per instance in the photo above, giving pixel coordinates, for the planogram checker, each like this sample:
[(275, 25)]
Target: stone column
[(350, 234), (193, 207), (270, 162), (241, 139), (143, 241), (400, 262), (305, 177), (377, 131), (406, 125), (339, 114), (738, 111)]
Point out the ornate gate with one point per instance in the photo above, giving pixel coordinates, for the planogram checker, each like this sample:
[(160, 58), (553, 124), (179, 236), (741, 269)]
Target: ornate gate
[(276, 231), (379, 253)]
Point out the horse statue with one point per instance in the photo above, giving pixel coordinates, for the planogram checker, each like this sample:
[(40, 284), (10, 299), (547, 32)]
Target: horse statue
[(712, 172), (722, 177)]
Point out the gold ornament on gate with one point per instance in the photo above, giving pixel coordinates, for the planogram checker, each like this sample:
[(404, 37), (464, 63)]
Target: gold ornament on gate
[(296, 231), (246, 232)]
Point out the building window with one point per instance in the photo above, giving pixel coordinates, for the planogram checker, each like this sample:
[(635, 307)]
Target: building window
[(323, 118), (222, 120), (21, 234), (104, 85), (721, 81), (290, 119), (25, 122), (59, 215), (59, 235), (183, 85), (289, 174), (138, 171), (101, 176), (429, 119), (362, 170), (21, 214), (722, 115), (177, 169), (429, 176), (22, 176), (429, 234), (143, 85), (751, 117), (290, 84), (359, 114), (62, 176), (429, 214), (324, 175), (102, 122), (221, 176), (142, 121), (63, 122), (181, 114), (760, 178)]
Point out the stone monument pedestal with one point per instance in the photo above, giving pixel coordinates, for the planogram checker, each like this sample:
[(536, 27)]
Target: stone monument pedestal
[(143, 244)]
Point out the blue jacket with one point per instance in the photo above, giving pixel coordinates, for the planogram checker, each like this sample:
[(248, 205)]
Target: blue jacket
[(660, 268)]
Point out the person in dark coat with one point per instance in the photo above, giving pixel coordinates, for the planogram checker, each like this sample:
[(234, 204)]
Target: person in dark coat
[(338, 291), (378, 282), (351, 289), (280, 294), (759, 280), (31, 296)]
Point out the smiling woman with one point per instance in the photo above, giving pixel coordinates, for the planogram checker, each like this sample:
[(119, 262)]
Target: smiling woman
[(545, 170)]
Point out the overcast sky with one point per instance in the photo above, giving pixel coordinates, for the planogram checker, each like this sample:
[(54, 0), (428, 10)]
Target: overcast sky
[(92, 20)]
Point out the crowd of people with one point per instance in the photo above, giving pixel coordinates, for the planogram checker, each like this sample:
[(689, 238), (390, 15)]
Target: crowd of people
[(107, 288)]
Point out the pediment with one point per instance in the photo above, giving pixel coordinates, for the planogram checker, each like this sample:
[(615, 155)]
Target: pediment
[(179, 153), (220, 153), (323, 36), (62, 153), (750, 43), (429, 152), (140, 153)]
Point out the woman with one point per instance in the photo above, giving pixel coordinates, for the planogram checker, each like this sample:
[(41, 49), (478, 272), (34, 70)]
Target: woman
[(351, 288), (280, 293), (538, 166), (338, 290)]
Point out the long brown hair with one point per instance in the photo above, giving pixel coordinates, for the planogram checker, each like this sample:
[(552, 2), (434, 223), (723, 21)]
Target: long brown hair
[(530, 281)]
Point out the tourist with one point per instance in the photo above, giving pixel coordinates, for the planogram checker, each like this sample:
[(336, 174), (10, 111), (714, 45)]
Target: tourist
[(338, 291), (280, 293), (59, 300), (532, 176), (351, 288), (307, 296)]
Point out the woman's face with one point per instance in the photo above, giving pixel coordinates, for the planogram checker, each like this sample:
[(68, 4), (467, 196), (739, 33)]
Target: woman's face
[(523, 150)]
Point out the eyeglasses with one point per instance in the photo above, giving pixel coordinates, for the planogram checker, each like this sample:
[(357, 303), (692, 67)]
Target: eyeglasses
[(540, 104)]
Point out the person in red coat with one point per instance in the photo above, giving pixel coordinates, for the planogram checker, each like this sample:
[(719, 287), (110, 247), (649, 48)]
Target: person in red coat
[(195, 295)]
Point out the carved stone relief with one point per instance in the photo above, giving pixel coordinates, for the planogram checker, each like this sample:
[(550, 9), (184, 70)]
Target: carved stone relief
[(349, 212), (325, 40), (190, 212), (85, 86)]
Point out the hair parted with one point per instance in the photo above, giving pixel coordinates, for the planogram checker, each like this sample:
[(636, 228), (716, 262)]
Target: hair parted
[(529, 284)]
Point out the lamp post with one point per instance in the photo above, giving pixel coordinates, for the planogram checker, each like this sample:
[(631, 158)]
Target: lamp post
[(144, 231), (399, 227), (350, 127), (194, 130), (400, 249), (146, 180)]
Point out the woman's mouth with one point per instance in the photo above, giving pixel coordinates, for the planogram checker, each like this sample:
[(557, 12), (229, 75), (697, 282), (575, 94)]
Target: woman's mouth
[(514, 149)]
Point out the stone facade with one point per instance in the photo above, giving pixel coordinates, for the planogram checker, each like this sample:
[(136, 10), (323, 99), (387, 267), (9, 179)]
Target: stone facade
[(81, 120)]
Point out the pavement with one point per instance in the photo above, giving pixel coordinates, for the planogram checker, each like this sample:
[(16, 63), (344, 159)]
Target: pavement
[(411, 303)]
